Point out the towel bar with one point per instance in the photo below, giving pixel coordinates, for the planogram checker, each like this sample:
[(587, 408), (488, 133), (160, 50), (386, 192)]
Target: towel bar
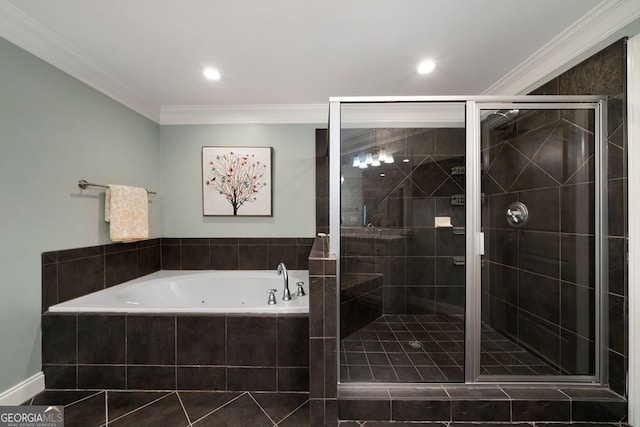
[(83, 183)]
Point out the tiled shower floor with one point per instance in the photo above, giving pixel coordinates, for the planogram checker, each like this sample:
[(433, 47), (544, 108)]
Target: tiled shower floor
[(427, 348)]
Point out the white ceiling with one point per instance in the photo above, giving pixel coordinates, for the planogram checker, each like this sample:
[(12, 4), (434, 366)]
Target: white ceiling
[(149, 54)]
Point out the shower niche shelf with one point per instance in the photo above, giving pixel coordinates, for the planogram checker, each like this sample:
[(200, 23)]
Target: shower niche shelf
[(458, 260), (457, 170), (458, 230), (458, 199)]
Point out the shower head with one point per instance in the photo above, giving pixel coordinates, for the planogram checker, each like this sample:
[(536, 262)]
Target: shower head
[(501, 119)]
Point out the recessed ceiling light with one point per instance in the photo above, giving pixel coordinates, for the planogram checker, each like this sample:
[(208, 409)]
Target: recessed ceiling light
[(426, 66), (211, 73)]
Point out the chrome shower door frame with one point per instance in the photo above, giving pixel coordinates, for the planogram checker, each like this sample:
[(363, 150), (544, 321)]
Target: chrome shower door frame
[(475, 245), (474, 235)]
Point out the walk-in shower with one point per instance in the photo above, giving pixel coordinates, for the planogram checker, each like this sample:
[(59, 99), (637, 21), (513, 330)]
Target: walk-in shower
[(469, 235)]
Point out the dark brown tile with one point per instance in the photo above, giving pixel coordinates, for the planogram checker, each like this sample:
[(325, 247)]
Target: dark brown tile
[(480, 410), (599, 411), (201, 340), (300, 417), (171, 259), (253, 257), (166, 411), (60, 376), (293, 341), (197, 404), (224, 256), (49, 285), (282, 253), (120, 403), (80, 277), (195, 256), (101, 339), (293, 379), (80, 253), (251, 341), (539, 253), (120, 267), (252, 379), (242, 411), (577, 209), (151, 377), (149, 259), (354, 409), (102, 377), (280, 405), (151, 340), (59, 334), (421, 410), (87, 412), (541, 410), (201, 378)]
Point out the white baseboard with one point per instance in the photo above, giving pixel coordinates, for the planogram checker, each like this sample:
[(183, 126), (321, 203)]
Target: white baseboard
[(23, 391)]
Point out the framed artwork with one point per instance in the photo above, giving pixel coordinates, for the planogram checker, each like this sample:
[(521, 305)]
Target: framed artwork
[(236, 181)]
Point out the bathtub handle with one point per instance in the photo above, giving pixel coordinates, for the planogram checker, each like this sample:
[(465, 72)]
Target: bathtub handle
[(272, 296), (300, 292)]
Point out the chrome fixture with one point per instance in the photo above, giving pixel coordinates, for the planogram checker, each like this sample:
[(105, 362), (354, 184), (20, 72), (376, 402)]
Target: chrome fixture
[(272, 296), (501, 119), (300, 292), (517, 214), (83, 183), (372, 159), (286, 295)]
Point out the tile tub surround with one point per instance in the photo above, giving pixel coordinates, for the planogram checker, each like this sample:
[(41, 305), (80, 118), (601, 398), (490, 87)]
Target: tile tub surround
[(71, 273), (323, 330), (168, 352)]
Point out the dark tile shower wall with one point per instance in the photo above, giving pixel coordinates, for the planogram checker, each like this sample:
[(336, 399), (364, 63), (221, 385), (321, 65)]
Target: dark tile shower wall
[(538, 273), (169, 352), (605, 74), (422, 267)]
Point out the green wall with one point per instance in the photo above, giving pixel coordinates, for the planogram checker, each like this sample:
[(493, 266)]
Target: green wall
[(55, 130), (293, 180)]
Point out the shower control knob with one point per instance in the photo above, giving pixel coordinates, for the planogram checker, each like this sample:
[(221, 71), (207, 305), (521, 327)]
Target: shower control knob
[(517, 214)]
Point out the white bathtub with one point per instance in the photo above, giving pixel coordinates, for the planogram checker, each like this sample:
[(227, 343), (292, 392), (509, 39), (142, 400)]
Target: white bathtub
[(196, 291)]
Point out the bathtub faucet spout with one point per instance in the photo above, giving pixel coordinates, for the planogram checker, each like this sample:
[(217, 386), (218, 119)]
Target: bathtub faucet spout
[(286, 295)]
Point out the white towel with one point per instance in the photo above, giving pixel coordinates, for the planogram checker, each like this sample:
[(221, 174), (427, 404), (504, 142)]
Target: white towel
[(127, 211)]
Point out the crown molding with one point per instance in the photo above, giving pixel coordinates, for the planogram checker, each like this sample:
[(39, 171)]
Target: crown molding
[(26, 33), (572, 45), (239, 114), (357, 115)]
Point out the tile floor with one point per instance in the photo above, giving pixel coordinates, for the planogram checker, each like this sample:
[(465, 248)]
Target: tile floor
[(178, 409), (427, 348)]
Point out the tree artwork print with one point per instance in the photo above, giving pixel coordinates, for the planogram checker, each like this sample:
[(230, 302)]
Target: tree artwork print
[(236, 181)]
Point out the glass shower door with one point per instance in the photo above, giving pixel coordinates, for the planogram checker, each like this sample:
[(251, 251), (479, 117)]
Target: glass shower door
[(539, 272), (402, 242)]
